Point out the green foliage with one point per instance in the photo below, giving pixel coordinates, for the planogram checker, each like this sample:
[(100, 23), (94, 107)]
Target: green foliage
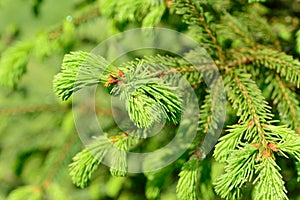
[(230, 141), (298, 170), (147, 12), (119, 162), (287, 103), (26, 192), (148, 99), (253, 1), (79, 70), (269, 188), (209, 111), (200, 23), (298, 41), (246, 98), (87, 161), (239, 169), (187, 183), (253, 49), (155, 182), (286, 141), (283, 64), (13, 63)]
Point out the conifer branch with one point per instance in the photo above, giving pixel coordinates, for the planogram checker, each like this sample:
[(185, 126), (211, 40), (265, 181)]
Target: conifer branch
[(208, 110), (212, 35), (251, 106), (238, 170), (87, 161), (187, 184), (93, 13), (298, 171), (119, 162), (80, 69), (287, 103), (269, 184), (283, 140), (230, 141), (258, 23), (212, 115), (281, 63), (148, 88), (193, 14), (31, 109), (232, 25)]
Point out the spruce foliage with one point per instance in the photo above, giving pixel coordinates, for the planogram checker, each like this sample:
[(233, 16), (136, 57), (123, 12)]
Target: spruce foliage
[(256, 65)]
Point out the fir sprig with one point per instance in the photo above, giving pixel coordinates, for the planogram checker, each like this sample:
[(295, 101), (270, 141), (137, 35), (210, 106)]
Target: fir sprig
[(230, 141), (285, 65), (87, 161), (148, 98), (187, 183), (119, 161), (80, 69), (247, 99), (200, 23), (284, 140), (286, 101), (212, 113), (269, 183), (282, 63), (238, 170)]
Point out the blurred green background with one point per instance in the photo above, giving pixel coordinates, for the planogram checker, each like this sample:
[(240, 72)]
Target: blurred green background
[(37, 134)]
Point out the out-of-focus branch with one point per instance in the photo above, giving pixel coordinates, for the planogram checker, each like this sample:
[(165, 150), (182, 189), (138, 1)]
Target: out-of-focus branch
[(76, 21)]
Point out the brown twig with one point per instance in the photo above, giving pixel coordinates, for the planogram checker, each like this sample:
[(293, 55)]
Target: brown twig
[(30, 109), (77, 21)]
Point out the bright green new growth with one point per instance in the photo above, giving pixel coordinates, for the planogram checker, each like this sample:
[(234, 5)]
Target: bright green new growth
[(286, 101), (79, 69), (298, 41), (148, 98), (87, 161), (239, 170), (119, 162), (269, 188), (298, 171), (187, 183)]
